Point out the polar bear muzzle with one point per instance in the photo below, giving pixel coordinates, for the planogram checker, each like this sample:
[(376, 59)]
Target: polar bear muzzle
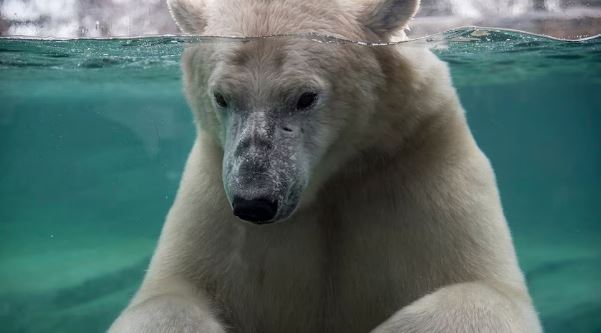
[(264, 172)]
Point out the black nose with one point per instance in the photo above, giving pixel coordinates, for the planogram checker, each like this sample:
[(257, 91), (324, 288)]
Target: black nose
[(259, 211)]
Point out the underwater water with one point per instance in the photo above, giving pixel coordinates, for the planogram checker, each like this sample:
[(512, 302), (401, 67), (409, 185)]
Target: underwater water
[(94, 135)]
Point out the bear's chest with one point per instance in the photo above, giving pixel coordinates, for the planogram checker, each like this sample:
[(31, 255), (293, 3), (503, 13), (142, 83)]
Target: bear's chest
[(304, 280)]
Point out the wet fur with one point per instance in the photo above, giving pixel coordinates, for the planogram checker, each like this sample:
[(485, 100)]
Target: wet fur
[(400, 230)]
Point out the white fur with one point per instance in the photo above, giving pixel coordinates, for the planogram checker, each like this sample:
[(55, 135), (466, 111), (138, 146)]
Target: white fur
[(188, 15), (400, 228), (387, 16)]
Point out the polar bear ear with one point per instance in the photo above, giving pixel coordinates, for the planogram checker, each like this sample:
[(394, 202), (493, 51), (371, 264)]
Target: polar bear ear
[(188, 15), (384, 17)]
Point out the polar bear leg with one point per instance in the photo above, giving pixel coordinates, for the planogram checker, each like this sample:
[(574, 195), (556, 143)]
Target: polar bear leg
[(467, 307), (167, 312)]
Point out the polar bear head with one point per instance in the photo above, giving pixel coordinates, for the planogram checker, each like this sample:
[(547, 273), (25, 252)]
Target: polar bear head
[(287, 112)]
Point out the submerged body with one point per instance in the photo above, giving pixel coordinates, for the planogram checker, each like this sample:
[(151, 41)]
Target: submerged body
[(388, 213)]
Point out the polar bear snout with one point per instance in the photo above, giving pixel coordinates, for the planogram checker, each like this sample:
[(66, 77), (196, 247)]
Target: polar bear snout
[(264, 166), (261, 210), (262, 192)]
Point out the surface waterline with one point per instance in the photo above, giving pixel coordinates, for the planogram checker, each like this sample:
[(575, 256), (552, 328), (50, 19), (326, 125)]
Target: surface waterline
[(94, 134)]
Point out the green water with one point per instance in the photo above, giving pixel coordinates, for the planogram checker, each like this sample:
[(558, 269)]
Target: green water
[(94, 135)]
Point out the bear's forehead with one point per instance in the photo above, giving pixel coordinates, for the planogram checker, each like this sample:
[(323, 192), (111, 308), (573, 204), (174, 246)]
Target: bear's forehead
[(275, 55), (265, 65), (258, 52), (282, 63)]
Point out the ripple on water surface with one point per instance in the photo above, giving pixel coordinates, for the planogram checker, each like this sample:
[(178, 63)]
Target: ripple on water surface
[(480, 53)]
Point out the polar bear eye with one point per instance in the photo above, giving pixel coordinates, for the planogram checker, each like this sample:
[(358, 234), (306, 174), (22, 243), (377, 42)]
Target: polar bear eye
[(220, 100), (306, 100)]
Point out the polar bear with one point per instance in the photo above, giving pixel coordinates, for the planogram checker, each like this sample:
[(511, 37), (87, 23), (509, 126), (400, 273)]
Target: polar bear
[(332, 187)]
